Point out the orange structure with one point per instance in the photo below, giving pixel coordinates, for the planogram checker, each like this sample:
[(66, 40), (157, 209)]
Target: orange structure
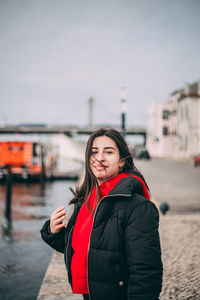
[(23, 158)]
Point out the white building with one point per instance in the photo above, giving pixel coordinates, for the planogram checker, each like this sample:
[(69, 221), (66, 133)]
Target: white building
[(189, 121), (159, 128), (174, 126), (175, 96)]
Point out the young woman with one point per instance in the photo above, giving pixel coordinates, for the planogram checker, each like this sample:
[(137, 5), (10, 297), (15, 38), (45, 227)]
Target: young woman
[(111, 242)]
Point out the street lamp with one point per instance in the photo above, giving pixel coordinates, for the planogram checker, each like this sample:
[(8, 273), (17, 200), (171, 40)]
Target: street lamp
[(91, 102), (123, 110)]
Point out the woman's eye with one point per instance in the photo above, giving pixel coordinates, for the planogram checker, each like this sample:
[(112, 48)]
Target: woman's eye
[(108, 152), (94, 152)]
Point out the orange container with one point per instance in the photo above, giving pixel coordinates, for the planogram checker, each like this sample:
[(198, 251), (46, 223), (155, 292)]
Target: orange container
[(16, 153)]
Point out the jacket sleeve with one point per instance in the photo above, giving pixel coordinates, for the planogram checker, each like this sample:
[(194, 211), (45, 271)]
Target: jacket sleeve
[(55, 240), (58, 240), (143, 253)]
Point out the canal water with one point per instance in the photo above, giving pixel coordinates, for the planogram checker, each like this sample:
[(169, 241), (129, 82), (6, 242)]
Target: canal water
[(24, 257)]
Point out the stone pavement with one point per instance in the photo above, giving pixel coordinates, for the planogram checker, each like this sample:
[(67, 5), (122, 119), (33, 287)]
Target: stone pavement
[(180, 241), (55, 285)]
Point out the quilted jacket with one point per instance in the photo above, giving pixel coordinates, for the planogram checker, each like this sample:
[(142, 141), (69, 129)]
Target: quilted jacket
[(124, 254)]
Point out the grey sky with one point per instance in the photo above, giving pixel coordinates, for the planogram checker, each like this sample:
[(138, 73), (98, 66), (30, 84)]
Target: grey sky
[(55, 54)]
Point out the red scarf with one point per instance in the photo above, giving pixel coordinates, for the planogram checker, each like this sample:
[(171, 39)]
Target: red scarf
[(82, 231)]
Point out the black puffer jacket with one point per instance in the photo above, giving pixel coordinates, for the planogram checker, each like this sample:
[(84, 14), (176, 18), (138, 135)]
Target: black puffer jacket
[(124, 257)]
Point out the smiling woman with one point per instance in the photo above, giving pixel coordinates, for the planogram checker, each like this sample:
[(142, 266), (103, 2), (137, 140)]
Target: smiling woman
[(111, 242), (105, 161)]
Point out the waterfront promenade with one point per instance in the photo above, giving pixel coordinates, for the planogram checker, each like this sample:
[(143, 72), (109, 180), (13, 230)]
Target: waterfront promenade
[(178, 184)]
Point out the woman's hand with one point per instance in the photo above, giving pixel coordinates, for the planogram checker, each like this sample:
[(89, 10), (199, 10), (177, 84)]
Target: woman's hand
[(56, 220)]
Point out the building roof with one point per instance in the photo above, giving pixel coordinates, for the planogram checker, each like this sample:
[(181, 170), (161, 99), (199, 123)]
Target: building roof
[(190, 90)]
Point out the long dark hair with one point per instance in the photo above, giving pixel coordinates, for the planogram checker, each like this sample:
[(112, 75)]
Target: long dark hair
[(83, 192)]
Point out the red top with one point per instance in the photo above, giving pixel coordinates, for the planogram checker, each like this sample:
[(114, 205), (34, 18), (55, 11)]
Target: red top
[(82, 231)]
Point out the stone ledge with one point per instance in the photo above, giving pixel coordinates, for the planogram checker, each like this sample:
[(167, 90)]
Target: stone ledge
[(55, 284)]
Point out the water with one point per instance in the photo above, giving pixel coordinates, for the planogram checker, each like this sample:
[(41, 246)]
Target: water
[(24, 257)]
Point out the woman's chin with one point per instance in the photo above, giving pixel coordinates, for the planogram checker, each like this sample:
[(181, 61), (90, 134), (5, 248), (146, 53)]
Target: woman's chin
[(100, 175)]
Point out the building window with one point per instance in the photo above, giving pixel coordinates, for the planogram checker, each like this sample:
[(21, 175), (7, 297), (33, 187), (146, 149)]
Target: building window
[(181, 113), (173, 112), (186, 143), (181, 143), (165, 130), (186, 112), (165, 114)]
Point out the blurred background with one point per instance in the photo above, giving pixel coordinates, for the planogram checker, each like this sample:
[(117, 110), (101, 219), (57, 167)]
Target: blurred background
[(69, 67), (57, 54)]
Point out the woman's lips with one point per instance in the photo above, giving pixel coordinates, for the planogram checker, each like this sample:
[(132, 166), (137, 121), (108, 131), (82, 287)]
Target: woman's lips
[(100, 167)]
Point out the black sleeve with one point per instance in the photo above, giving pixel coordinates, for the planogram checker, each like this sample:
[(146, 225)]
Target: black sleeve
[(55, 240), (143, 253)]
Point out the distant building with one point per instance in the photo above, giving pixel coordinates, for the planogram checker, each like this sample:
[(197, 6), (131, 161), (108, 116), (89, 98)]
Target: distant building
[(158, 134), (174, 126), (189, 120)]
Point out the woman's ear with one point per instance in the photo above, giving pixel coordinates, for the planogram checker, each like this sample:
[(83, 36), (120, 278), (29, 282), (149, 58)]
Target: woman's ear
[(121, 162)]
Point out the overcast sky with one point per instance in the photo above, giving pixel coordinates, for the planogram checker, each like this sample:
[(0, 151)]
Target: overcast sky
[(55, 54)]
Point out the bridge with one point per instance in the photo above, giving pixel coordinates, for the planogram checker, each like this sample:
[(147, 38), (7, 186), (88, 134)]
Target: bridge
[(69, 130)]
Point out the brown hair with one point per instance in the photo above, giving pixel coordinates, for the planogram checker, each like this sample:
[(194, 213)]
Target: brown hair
[(83, 192)]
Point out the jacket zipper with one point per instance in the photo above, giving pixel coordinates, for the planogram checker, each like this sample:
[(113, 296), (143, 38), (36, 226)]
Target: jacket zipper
[(108, 196), (69, 238), (66, 249)]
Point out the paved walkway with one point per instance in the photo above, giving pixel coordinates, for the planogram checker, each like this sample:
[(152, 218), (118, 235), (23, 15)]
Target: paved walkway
[(181, 258), (55, 285), (180, 242)]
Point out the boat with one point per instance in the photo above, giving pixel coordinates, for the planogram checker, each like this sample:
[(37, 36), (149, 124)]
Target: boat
[(26, 159)]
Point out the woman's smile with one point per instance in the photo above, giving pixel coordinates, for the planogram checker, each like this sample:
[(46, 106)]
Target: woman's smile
[(100, 167)]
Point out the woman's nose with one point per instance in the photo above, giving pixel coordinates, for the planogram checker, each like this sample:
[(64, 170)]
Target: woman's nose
[(100, 156)]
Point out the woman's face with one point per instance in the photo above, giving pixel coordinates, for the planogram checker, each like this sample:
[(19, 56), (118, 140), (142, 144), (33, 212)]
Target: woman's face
[(105, 161)]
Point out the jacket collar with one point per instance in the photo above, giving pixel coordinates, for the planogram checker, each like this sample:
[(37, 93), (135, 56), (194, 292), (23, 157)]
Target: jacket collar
[(128, 184)]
